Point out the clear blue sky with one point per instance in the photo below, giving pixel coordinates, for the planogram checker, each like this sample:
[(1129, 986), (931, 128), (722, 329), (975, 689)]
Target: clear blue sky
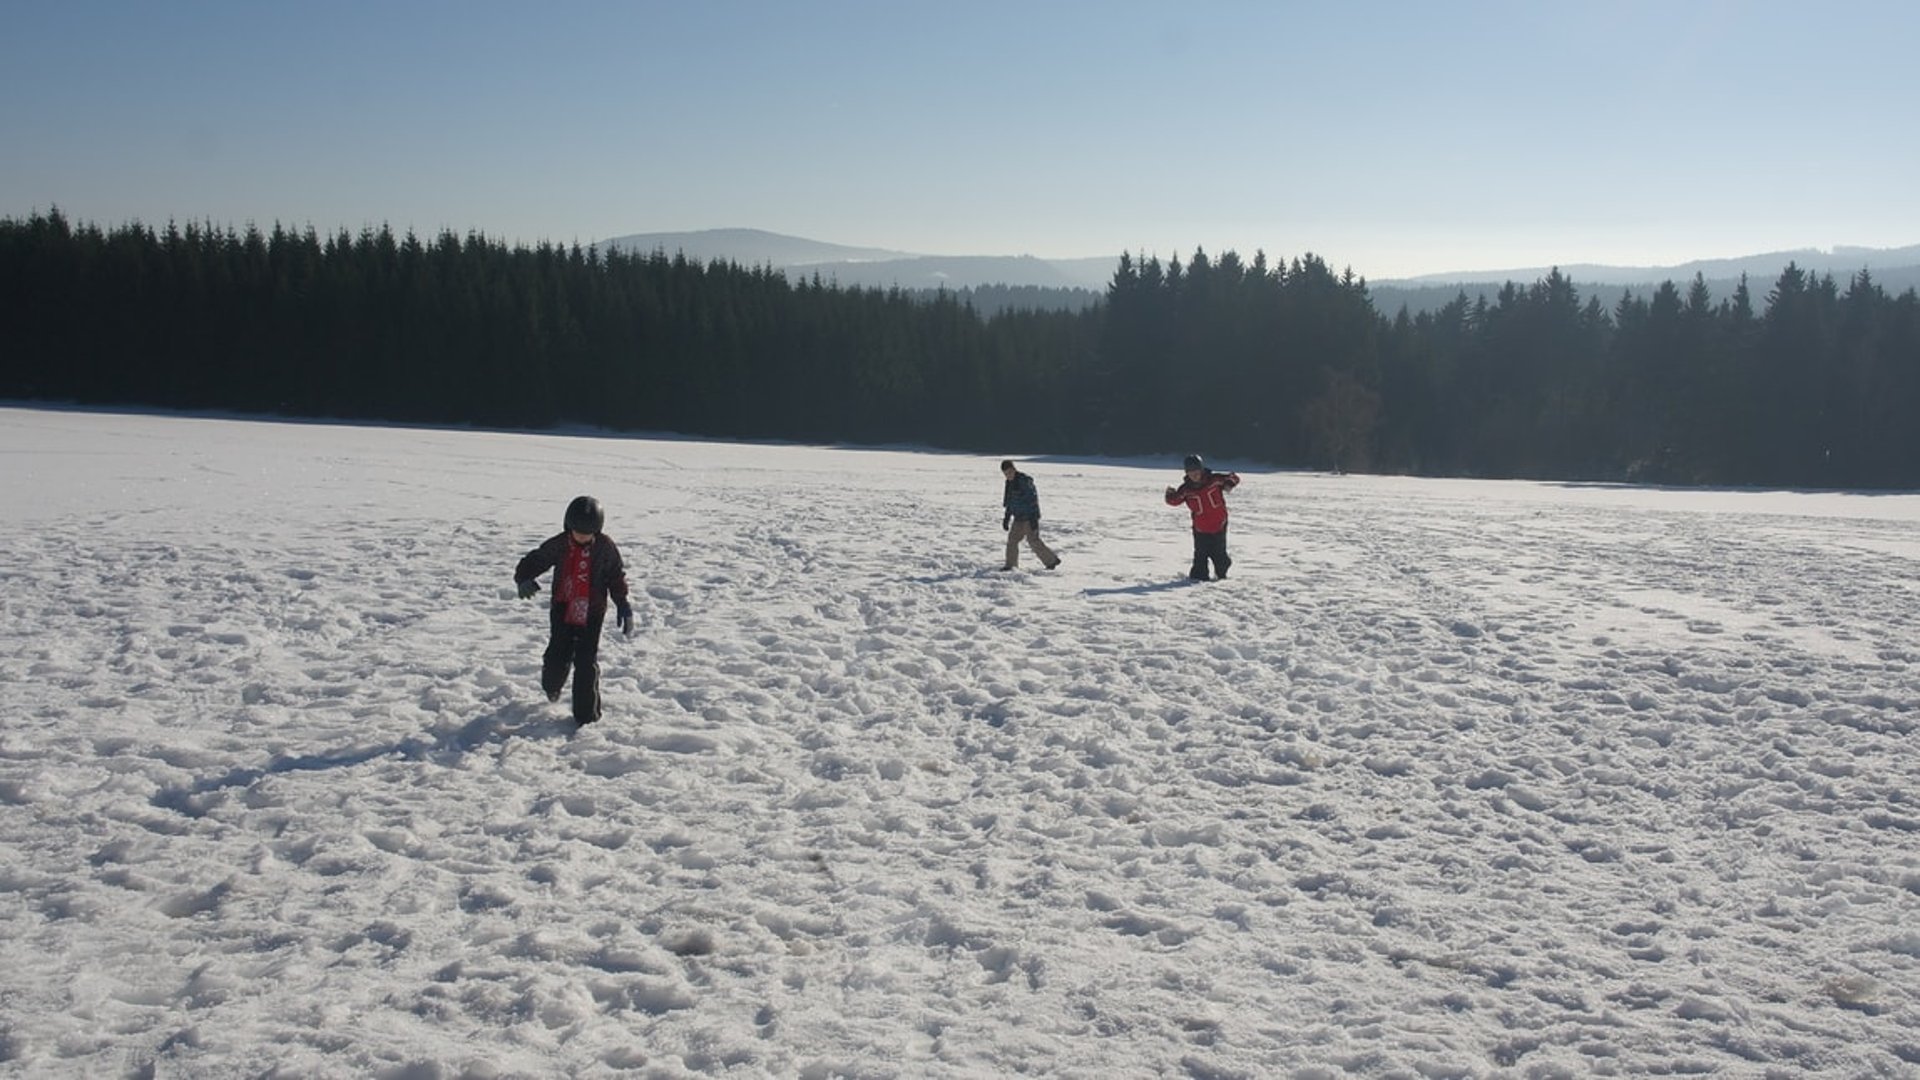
[(1393, 137)]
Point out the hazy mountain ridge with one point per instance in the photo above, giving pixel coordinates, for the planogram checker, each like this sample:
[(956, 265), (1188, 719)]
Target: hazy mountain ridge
[(1895, 269), (748, 247), (1841, 262), (882, 268)]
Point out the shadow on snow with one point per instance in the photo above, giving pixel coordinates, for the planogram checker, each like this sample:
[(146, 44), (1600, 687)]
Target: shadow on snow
[(493, 728), (1144, 589)]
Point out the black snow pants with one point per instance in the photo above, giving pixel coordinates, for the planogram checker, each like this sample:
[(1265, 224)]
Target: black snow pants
[(1210, 546), (576, 647)]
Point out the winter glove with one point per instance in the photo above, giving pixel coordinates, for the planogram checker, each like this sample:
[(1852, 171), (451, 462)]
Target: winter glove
[(1006, 523), (623, 617), (528, 588)]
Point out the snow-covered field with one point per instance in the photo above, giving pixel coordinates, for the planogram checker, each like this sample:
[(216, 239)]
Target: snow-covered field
[(1453, 779)]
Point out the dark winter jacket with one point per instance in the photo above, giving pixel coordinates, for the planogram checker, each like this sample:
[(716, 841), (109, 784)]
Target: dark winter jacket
[(1022, 499), (609, 573), (1206, 499)]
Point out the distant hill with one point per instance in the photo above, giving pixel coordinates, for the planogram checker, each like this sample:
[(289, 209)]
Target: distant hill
[(1061, 282), (960, 272), (871, 267), (748, 247), (1841, 262), (1895, 270)]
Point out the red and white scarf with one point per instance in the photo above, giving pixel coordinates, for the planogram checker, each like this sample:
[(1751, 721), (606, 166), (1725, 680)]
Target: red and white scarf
[(579, 582)]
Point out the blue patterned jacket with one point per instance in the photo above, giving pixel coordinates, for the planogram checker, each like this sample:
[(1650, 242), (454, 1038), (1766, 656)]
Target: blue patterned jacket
[(1022, 499)]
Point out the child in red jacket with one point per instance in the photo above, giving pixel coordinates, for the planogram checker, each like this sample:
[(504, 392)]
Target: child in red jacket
[(1205, 494), (587, 570)]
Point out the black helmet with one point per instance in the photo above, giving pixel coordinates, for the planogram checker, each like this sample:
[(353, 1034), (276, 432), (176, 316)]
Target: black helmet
[(584, 515), (1194, 462)]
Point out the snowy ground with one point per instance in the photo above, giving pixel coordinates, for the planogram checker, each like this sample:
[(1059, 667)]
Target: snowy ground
[(1453, 779)]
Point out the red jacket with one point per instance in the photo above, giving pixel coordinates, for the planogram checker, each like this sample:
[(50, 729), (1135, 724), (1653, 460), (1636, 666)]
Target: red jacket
[(1206, 499), (609, 572)]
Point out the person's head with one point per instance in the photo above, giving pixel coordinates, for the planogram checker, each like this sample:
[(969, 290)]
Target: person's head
[(1195, 466), (585, 518), (1006, 468)]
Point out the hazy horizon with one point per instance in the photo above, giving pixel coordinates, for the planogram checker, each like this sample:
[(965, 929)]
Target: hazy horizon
[(720, 238)]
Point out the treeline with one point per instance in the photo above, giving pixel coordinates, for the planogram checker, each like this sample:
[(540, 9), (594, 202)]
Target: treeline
[(1287, 363), (471, 331), (1818, 388)]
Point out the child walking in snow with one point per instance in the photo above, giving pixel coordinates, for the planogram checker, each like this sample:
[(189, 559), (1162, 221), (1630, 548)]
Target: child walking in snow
[(587, 571), (1022, 519), (1205, 494)]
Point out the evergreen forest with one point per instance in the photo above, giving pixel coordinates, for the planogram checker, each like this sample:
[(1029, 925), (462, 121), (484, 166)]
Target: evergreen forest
[(1799, 382)]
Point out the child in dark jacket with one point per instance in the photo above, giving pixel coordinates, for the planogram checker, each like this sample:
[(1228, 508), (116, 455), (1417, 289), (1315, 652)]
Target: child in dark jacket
[(587, 570), (1022, 519), (1204, 494)]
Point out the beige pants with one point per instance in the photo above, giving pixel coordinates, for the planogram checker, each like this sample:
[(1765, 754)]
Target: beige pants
[(1030, 532)]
